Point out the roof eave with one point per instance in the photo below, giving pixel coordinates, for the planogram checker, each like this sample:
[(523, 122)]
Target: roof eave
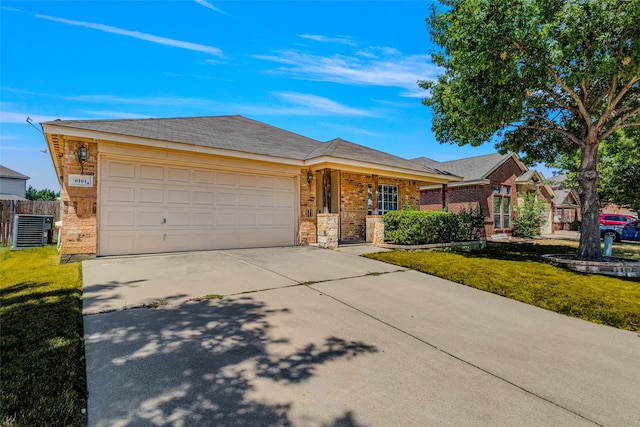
[(358, 166)]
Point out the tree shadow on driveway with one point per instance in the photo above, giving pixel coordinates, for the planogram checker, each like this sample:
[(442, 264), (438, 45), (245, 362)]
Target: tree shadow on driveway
[(196, 364)]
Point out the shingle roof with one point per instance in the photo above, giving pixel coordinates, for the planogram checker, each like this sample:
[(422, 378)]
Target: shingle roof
[(343, 149), (235, 133), (5, 172), (471, 168), (241, 134)]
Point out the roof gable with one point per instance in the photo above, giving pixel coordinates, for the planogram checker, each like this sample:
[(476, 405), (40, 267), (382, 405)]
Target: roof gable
[(5, 172), (471, 168), (342, 149)]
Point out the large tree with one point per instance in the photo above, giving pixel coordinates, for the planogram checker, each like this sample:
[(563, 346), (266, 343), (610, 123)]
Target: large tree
[(540, 78)]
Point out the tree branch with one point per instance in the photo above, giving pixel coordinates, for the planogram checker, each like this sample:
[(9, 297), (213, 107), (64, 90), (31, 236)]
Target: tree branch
[(580, 106), (561, 131), (620, 123), (611, 106)]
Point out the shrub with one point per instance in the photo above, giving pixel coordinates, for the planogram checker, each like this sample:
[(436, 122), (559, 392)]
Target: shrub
[(413, 227), (529, 216), (574, 225)]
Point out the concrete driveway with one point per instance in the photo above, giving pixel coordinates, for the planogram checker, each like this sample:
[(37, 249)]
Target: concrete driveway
[(311, 337)]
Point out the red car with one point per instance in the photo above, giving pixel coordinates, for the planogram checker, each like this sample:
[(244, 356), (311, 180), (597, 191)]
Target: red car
[(615, 219)]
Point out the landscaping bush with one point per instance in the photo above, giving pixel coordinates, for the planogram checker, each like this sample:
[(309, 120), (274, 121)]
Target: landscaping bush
[(413, 227), (529, 216), (574, 225)]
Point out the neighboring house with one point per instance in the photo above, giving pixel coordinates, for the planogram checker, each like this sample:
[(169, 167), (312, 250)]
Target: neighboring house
[(200, 183), (566, 203), (13, 185), (558, 183), (491, 182)]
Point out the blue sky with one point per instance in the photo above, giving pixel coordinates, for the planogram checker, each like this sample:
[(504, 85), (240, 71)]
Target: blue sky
[(322, 69)]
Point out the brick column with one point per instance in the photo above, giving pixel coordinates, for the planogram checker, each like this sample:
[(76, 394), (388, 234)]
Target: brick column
[(79, 214)]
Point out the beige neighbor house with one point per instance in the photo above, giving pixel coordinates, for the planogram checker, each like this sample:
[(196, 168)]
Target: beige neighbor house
[(492, 182), (201, 183)]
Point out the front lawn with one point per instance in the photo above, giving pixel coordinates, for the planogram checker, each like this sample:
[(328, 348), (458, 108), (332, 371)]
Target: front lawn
[(41, 348), (516, 271)]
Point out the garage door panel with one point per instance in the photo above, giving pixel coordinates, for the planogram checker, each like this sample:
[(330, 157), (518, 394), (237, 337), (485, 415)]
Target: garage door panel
[(226, 179), (151, 195), (179, 175), (118, 193), (116, 170), (203, 177), (201, 197), (178, 196), (119, 218), (152, 172), (174, 208)]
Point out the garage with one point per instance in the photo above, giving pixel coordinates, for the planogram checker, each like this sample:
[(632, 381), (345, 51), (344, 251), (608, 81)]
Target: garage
[(147, 207)]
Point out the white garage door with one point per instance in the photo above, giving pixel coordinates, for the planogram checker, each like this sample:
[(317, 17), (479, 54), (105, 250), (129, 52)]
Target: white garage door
[(152, 208)]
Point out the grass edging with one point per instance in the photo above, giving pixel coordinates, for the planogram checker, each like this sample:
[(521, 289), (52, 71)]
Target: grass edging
[(41, 345), (517, 272)]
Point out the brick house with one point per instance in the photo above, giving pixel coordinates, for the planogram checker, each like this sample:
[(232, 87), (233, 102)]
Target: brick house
[(491, 182), (200, 183)]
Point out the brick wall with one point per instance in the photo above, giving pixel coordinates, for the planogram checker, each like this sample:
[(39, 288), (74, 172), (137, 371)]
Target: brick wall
[(354, 198), (79, 214), (308, 209), (460, 198), (353, 205)]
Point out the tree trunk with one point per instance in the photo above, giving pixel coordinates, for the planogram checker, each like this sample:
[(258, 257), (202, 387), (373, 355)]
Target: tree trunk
[(587, 175)]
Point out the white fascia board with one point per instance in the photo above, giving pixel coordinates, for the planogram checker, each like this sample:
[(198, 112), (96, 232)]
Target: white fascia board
[(378, 169), (457, 184), (156, 143)]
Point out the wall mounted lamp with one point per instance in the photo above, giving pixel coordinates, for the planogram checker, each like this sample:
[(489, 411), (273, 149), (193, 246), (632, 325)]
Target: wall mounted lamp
[(83, 154), (309, 176)]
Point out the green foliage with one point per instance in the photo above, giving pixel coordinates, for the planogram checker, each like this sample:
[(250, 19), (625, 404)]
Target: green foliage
[(44, 194), (574, 225), (43, 374), (540, 78), (529, 216), (516, 272), (413, 227), (618, 168)]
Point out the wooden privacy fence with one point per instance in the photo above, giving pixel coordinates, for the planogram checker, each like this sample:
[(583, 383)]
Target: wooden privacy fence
[(10, 208)]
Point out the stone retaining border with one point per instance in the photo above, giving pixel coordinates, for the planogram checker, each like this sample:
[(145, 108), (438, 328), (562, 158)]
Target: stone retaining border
[(618, 267)]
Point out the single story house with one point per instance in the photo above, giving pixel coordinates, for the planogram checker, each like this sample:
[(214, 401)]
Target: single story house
[(491, 182), (13, 185), (200, 183)]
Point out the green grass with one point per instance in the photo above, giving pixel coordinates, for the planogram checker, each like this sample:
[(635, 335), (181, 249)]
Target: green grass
[(41, 347), (516, 271)]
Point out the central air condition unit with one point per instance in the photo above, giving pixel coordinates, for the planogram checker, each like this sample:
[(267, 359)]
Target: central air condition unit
[(30, 231)]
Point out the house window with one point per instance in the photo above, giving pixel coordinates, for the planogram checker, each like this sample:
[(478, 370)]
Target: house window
[(501, 207), (387, 199)]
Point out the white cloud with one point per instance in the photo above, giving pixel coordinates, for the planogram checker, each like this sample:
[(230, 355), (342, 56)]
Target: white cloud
[(152, 100), (318, 105), (208, 5), (393, 70), (324, 39), (138, 35)]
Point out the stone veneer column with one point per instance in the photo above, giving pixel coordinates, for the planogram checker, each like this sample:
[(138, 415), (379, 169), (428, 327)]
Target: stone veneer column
[(372, 220), (378, 233), (328, 230)]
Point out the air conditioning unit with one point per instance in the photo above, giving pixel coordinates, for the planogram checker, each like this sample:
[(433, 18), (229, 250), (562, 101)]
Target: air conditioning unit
[(30, 231)]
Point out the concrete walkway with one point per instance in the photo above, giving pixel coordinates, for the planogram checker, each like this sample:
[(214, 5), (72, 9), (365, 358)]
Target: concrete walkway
[(328, 338)]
